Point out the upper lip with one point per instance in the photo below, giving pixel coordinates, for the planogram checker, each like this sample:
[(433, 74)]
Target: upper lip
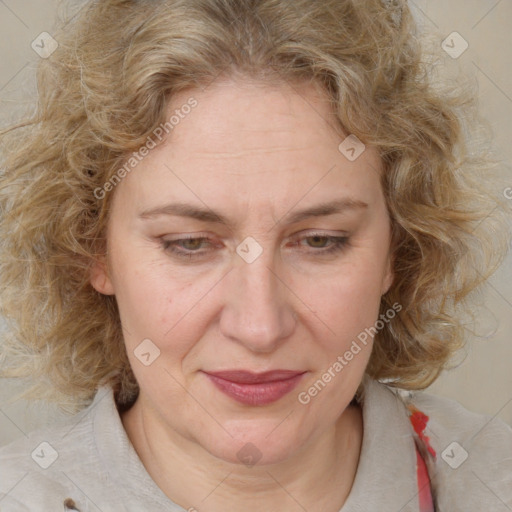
[(248, 377)]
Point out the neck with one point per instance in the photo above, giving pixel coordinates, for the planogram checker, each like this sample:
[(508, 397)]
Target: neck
[(318, 478)]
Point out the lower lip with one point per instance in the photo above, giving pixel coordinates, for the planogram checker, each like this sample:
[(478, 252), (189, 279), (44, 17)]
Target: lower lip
[(256, 394)]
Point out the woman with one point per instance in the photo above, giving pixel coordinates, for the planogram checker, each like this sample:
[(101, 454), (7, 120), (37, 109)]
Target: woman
[(246, 228)]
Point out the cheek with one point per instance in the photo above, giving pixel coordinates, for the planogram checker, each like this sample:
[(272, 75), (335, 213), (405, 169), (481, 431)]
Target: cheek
[(156, 303), (348, 304), (143, 294), (353, 293)]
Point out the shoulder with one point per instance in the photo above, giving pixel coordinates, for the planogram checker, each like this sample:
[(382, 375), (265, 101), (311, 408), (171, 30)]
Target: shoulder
[(471, 454), (34, 467), (449, 420), (39, 470)]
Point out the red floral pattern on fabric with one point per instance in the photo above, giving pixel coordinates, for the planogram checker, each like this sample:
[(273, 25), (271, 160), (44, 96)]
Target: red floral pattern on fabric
[(419, 422)]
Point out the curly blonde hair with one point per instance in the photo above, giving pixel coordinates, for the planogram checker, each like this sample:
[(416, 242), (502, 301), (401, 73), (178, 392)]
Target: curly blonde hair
[(105, 90)]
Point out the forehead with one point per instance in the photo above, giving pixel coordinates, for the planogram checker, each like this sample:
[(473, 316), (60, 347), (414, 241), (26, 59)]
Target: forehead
[(235, 115), (264, 141)]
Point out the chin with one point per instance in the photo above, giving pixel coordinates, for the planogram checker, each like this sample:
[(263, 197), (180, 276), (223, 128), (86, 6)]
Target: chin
[(260, 444), (252, 454)]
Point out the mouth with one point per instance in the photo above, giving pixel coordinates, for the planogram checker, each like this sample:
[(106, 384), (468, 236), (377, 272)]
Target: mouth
[(255, 388)]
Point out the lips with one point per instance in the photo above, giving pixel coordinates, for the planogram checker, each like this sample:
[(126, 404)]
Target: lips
[(255, 388)]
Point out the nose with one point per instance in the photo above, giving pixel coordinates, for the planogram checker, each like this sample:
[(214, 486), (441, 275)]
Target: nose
[(257, 312)]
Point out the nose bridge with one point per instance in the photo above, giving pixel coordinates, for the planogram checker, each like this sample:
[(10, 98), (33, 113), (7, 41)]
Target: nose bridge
[(257, 312), (259, 282)]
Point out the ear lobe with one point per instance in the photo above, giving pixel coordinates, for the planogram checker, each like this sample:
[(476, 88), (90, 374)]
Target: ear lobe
[(99, 278)]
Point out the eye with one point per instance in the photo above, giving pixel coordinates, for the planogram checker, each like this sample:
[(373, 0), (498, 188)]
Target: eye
[(194, 247), (191, 244), (325, 244), (318, 241), (188, 248)]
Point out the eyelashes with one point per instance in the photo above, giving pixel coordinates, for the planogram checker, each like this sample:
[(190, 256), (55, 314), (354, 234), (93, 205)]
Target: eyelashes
[(188, 248)]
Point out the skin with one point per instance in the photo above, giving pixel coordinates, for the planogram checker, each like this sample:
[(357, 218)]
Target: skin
[(254, 154)]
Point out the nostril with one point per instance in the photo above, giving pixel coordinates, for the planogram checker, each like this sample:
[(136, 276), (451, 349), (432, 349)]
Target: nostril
[(69, 504)]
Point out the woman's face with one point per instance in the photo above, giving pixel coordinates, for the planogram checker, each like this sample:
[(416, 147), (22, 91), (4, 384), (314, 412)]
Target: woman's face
[(280, 272)]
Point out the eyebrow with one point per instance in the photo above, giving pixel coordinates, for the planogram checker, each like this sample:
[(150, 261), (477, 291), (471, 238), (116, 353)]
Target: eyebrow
[(208, 215)]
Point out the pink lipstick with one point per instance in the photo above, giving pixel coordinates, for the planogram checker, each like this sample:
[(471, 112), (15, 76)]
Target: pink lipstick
[(255, 388)]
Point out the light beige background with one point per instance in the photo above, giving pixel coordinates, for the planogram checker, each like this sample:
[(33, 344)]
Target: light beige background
[(483, 382)]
